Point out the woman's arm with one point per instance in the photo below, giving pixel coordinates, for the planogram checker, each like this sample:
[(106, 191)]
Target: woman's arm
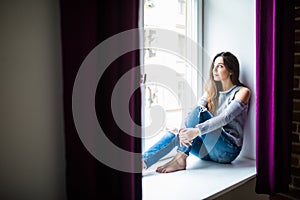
[(243, 95), (238, 105)]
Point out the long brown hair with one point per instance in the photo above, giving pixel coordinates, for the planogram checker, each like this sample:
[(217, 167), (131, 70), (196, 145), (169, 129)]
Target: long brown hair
[(213, 87)]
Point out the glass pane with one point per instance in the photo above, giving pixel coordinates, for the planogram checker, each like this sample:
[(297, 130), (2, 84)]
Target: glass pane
[(171, 15)]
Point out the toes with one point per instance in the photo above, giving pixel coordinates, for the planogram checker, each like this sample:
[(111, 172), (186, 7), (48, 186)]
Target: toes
[(159, 169)]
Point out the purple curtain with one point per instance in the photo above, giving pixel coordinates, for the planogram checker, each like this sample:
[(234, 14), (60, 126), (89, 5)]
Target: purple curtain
[(274, 83), (84, 25)]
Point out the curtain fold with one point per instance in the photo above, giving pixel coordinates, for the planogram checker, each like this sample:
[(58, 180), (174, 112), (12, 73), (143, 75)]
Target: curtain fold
[(274, 84), (84, 25)]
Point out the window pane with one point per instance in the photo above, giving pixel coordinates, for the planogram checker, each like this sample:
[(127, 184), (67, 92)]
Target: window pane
[(173, 15)]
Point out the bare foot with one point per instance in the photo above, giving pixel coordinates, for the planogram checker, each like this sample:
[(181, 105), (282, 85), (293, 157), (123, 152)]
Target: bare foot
[(176, 164)]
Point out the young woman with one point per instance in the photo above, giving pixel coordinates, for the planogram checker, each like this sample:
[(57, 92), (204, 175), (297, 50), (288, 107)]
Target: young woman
[(214, 129)]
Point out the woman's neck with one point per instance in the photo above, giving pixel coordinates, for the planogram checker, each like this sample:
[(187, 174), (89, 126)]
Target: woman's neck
[(227, 85)]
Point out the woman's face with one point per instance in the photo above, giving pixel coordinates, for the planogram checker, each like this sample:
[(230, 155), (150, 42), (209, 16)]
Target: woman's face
[(220, 72)]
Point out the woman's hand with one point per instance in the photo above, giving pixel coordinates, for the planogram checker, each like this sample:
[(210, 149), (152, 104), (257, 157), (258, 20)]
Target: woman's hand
[(186, 136)]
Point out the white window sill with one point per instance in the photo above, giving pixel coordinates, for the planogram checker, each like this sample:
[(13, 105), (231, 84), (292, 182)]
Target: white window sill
[(201, 180)]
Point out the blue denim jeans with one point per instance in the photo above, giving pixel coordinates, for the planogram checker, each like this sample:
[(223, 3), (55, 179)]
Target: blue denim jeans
[(215, 146)]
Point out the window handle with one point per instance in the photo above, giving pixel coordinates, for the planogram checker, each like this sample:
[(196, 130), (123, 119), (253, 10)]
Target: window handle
[(143, 78)]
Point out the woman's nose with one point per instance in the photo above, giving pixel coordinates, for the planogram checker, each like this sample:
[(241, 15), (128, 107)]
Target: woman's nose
[(215, 69)]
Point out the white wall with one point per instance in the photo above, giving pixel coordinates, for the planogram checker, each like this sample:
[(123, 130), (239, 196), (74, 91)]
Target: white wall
[(31, 126), (229, 25)]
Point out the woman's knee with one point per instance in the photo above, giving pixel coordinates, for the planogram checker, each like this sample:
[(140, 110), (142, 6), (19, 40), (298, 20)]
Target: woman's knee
[(192, 118)]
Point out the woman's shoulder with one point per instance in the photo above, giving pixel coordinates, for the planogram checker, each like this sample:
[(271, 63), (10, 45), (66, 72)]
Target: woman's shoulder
[(244, 89), (243, 94)]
